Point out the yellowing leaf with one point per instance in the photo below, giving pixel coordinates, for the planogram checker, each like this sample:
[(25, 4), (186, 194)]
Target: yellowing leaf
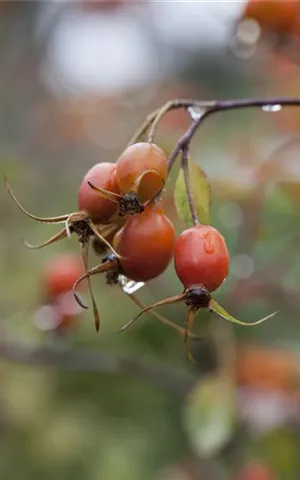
[(209, 415), (200, 189), (222, 312)]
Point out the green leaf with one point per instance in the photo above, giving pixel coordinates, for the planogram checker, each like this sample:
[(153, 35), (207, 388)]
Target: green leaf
[(200, 188), (209, 415), (222, 313)]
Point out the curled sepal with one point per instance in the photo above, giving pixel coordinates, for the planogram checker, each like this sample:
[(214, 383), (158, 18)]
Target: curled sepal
[(84, 255), (102, 238), (200, 191), (55, 238), (164, 320), (128, 204), (148, 182), (59, 219), (102, 268), (113, 197), (222, 313), (73, 218), (168, 301)]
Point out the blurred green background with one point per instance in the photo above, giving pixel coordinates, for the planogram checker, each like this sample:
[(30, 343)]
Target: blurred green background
[(77, 79)]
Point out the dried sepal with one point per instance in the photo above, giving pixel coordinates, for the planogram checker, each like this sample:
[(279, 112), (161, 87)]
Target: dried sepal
[(104, 267), (164, 320), (84, 255), (58, 219), (113, 197), (147, 180), (128, 204), (168, 301), (97, 233), (74, 219), (55, 238)]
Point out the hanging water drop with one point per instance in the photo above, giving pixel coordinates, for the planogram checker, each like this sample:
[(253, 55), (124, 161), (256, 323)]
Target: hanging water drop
[(129, 286), (271, 108), (196, 113)]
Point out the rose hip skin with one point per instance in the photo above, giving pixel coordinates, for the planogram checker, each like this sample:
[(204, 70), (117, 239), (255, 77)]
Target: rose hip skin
[(99, 209), (60, 274), (134, 162), (201, 257), (146, 244)]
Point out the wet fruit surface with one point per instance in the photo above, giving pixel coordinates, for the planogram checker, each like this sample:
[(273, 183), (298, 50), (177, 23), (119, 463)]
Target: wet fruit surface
[(146, 244), (201, 257), (143, 168), (99, 209)]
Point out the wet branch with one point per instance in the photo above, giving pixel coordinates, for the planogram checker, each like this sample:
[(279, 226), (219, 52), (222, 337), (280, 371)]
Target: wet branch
[(208, 108)]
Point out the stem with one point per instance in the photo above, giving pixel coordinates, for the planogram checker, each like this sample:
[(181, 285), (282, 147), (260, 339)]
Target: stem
[(225, 105), (143, 128), (160, 114), (253, 102), (167, 107), (187, 181), (183, 142), (156, 116)]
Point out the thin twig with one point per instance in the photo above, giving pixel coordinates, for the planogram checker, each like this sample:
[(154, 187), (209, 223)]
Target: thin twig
[(153, 119), (182, 143), (187, 181), (224, 105), (167, 107), (207, 107)]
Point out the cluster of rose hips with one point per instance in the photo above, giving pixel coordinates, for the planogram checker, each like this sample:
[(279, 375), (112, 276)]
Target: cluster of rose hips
[(120, 213)]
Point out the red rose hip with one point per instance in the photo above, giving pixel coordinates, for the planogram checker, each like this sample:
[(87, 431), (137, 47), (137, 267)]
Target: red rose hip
[(98, 208), (201, 257), (142, 167), (146, 244)]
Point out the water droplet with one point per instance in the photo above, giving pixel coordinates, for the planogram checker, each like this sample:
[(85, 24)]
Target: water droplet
[(196, 113), (129, 286), (271, 108), (209, 247)]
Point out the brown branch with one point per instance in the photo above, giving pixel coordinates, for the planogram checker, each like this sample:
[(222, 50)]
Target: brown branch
[(208, 108)]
